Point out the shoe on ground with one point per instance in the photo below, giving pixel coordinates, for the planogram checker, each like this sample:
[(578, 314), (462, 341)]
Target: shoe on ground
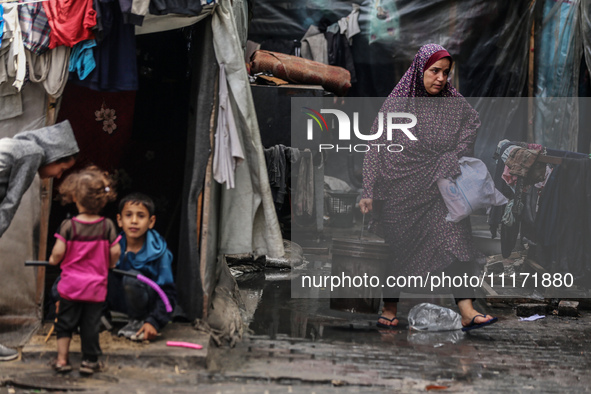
[(61, 368), (130, 328), (7, 354), (137, 338), (90, 367)]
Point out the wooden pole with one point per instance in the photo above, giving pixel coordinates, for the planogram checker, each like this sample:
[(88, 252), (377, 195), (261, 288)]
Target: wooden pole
[(46, 189), (204, 205), (530, 82)]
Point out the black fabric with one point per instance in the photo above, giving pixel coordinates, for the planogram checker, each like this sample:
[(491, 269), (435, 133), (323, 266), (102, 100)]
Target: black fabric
[(496, 212), (339, 53), (278, 159), (573, 251), (528, 218), (547, 212), (564, 225), (184, 7), (509, 237), (115, 53), (87, 316), (189, 282), (125, 293)]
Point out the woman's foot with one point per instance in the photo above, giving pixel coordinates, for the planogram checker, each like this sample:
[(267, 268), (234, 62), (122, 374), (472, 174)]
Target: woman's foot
[(470, 316), (61, 366), (388, 316), (90, 367)]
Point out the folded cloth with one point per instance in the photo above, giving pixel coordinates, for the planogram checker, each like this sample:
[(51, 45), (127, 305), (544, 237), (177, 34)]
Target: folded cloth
[(267, 80), (298, 70), (522, 162)]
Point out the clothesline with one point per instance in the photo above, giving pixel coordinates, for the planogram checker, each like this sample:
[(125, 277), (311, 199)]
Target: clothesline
[(24, 2)]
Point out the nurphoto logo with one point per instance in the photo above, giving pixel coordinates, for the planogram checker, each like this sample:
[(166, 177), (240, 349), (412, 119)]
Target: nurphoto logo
[(344, 129)]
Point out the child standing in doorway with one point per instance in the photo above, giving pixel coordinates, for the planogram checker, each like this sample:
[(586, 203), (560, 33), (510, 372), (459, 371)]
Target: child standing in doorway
[(87, 246)]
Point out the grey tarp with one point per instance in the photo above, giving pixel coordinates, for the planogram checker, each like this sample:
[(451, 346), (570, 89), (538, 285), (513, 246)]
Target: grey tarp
[(585, 26), (194, 276), (20, 315), (248, 222)]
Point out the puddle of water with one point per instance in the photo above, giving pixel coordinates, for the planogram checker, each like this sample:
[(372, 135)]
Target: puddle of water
[(272, 312)]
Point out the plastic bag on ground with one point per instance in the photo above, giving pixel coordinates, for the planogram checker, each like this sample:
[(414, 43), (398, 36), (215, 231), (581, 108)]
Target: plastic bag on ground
[(431, 317)]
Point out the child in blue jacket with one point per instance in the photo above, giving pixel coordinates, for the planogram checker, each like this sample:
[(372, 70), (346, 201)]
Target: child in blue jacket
[(143, 251)]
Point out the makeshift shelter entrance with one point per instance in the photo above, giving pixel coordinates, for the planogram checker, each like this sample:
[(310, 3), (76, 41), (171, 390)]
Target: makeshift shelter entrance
[(162, 145)]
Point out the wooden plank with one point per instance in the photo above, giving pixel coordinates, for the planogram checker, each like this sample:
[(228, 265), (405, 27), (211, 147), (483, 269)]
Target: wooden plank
[(203, 227), (46, 190)]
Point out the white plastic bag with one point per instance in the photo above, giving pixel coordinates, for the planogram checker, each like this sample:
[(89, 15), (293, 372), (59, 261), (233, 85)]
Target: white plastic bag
[(431, 317), (470, 191)]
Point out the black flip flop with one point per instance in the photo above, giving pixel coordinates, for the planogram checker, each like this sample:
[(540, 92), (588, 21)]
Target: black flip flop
[(473, 325), (387, 326)]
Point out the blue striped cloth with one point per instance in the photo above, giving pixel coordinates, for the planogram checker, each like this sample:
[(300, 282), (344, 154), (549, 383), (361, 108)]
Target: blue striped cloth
[(35, 27)]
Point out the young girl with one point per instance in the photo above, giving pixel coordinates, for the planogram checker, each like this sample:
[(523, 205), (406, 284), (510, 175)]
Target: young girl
[(87, 246)]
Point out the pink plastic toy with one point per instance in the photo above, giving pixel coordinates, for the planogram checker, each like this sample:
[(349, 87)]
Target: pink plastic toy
[(184, 344)]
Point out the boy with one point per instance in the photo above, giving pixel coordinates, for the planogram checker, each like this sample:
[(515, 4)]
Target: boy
[(143, 251), (48, 151)]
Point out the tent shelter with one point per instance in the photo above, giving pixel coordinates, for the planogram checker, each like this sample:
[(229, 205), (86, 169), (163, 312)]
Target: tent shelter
[(538, 49), (202, 218)]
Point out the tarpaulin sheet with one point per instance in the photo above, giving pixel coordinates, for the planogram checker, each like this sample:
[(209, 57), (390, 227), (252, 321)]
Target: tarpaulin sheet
[(488, 40), (558, 54), (20, 315)]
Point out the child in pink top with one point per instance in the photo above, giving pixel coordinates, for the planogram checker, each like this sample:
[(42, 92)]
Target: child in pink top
[(86, 246)]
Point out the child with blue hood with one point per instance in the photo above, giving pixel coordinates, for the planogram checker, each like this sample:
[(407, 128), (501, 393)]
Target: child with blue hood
[(48, 151), (143, 251)]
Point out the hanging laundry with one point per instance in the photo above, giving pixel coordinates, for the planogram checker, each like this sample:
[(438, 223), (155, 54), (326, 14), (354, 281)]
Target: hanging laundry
[(70, 21), (349, 25), (134, 11), (57, 76), (314, 46), (34, 27), (15, 59), (115, 54), (1, 24), (339, 53), (279, 159), (228, 152), (38, 66), (564, 221), (82, 58), (183, 7), (304, 195)]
